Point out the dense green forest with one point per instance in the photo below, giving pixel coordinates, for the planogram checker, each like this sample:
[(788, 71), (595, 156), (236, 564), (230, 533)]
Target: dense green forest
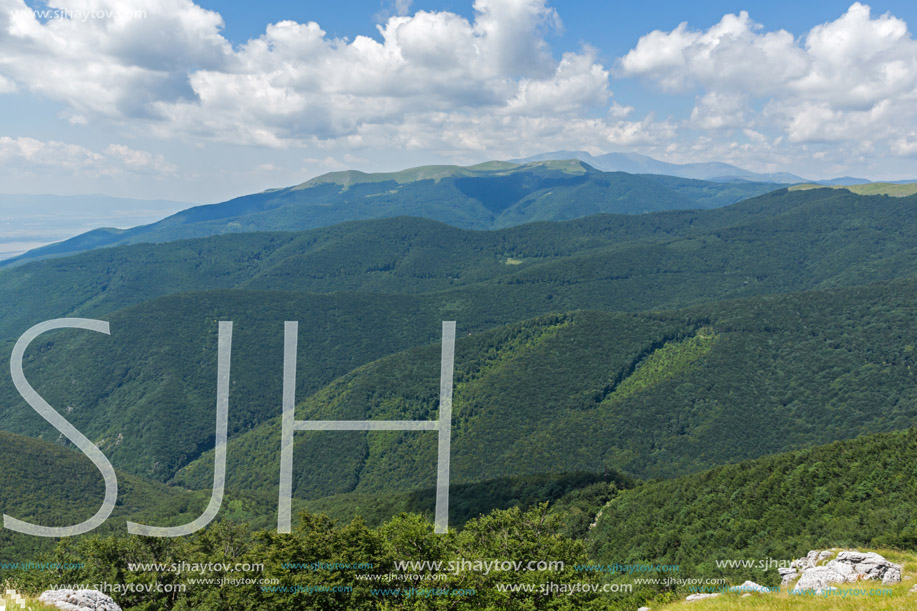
[(49, 485), (486, 196), (779, 242), (849, 494), (856, 493), (602, 364), (653, 395)]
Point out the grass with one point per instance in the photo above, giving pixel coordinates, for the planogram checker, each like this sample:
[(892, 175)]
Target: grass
[(900, 597), (872, 188), (31, 604)]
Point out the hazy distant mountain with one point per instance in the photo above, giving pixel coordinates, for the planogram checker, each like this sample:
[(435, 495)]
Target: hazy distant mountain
[(365, 290), (843, 181), (31, 221), (641, 164), (485, 196)]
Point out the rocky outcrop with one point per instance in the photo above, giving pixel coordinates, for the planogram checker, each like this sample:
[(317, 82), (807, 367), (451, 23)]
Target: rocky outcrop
[(79, 600), (694, 597), (819, 569), (750, 586)]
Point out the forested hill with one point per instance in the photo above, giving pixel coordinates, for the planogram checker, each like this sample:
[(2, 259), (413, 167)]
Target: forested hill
[(778, 242), (486, 196), (851, 494), (48, 485), (652, 395)]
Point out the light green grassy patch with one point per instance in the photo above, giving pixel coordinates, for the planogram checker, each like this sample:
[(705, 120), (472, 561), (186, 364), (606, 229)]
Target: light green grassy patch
[(665, 362), (871, 188), (860, 596)]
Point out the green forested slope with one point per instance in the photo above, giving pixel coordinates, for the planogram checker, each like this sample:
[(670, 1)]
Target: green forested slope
[(53, 486), (152, 381), (775, 243), (653, 395), (846, 494)]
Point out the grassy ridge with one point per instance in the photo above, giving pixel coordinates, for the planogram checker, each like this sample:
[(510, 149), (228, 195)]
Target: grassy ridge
[(873, 188)]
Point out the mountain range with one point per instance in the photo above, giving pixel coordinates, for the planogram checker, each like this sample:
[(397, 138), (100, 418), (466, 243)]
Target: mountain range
[(635, 163), (374, 288), (677, 353), (486, 196)]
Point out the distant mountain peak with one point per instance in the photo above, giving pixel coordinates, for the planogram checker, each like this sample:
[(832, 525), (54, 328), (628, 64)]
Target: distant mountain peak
[(347, 178), (634, 163)]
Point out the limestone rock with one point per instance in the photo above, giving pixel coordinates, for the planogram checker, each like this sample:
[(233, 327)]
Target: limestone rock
[(694, 597), (822, 568), (79, 600), (819, 578), (787, 575), (749, 586)]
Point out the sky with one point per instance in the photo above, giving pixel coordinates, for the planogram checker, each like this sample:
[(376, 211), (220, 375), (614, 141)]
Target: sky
[(204, 101)]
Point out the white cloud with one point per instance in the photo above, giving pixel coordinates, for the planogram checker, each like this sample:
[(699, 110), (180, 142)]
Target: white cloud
[(717, 110), (29, 152), (456, 87), (115, 66), (906, 145), (7, 85), (172, 75), (732, 55), (39, 156), (140, 161), (852, 80)]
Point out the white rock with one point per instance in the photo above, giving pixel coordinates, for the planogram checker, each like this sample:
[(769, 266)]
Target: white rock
[(643, 609), (79, 600), (694, 597), (787, 575), (749, 586), (818, 578), (846, 567), (746, 594)]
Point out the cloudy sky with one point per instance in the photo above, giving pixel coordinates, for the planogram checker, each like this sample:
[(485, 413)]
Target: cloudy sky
[(201, 102)]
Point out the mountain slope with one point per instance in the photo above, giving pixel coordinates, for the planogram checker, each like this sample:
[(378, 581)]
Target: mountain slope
[(846, 494), (152, 380), (653, 395), (53, 486), (486, 196), (779, 242)]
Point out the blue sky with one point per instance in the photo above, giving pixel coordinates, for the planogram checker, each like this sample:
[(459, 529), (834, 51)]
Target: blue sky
[(204, 101)]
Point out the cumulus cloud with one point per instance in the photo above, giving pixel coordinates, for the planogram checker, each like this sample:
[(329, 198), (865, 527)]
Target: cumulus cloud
[(294, 84), (110, 66), (174, 73), (850, 80), (139, 161), (29, 152), (33, 155), (718, 109)]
